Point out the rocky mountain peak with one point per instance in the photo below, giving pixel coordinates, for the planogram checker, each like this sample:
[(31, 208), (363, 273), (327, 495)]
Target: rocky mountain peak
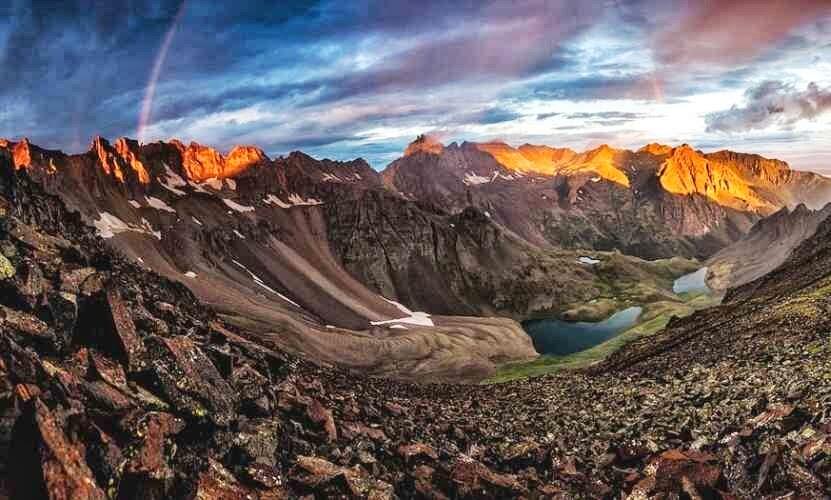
[(204, 162), (656, 149), (22, 154), (425, 143), (128, 151), (107, 157)]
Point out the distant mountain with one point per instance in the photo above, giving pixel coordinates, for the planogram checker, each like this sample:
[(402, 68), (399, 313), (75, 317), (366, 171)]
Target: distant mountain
[(659, 201), (767, 246)]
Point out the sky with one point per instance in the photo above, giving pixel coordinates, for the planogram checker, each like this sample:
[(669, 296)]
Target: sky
[(362, 78)]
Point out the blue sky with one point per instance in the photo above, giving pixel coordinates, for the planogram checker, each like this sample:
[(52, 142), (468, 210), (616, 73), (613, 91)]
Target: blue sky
[(343, 79)]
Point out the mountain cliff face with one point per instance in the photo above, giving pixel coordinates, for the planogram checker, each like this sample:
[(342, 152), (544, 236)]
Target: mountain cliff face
[(656, 202), (117, 382)]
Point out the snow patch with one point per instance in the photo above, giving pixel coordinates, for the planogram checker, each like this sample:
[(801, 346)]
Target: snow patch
[(295, 199), (190, 274), (236, 206), (172, 181), (487, 214), (412, 318), (589, 261), (134, 204), (159, 204), (108, 225), (327, 177), (273, 200), (399, 327), (214, 183), (595, 179), (197, 221), (472, 179), (239, 234), (148, 228)]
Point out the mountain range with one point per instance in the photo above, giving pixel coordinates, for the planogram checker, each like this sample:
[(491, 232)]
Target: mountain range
[(134, 362), (335, 260)]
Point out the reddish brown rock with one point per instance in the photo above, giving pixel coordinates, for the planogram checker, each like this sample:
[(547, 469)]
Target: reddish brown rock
[(290, 401), (217, 483), (475, 479), (47, 463), (105, 323), (417, 452), (351, 430), (148, 474), (675, 471), (108, 370), (326, 478), (322, 416)]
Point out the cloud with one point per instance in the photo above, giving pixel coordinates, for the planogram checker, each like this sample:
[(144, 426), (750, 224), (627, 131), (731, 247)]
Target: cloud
[(772, 103), (543, 116), (635, 86), (606, 115), (725, 32), (498, 115)]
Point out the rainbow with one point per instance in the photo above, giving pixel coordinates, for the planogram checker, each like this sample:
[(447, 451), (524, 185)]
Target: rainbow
[(150, 90)]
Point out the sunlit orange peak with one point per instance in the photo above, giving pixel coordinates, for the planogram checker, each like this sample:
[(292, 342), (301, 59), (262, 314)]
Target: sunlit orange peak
[(424, 143), (203, 162)]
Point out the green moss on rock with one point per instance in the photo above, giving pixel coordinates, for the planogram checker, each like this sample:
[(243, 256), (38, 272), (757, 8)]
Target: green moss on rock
[(6, 268)]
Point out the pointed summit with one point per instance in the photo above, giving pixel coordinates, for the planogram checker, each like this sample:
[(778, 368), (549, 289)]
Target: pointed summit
[(656, 149), (424, 143), (22, 154), (203, 162)]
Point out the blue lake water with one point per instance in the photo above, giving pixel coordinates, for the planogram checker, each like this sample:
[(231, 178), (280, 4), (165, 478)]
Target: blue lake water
[(692, 283), (553, 336)]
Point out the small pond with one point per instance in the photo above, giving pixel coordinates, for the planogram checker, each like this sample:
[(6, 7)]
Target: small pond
[(559, 338), (692, 283)]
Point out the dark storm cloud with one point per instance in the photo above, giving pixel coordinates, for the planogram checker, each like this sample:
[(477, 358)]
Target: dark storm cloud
[(772, 103), (66, 59)]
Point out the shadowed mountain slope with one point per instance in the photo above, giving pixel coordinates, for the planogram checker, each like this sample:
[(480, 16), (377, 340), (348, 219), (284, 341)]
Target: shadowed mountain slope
[(768, 244)]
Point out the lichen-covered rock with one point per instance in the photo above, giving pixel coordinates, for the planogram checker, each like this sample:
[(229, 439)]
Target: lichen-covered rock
[(185, 376), (147, 473), (6, 268)]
